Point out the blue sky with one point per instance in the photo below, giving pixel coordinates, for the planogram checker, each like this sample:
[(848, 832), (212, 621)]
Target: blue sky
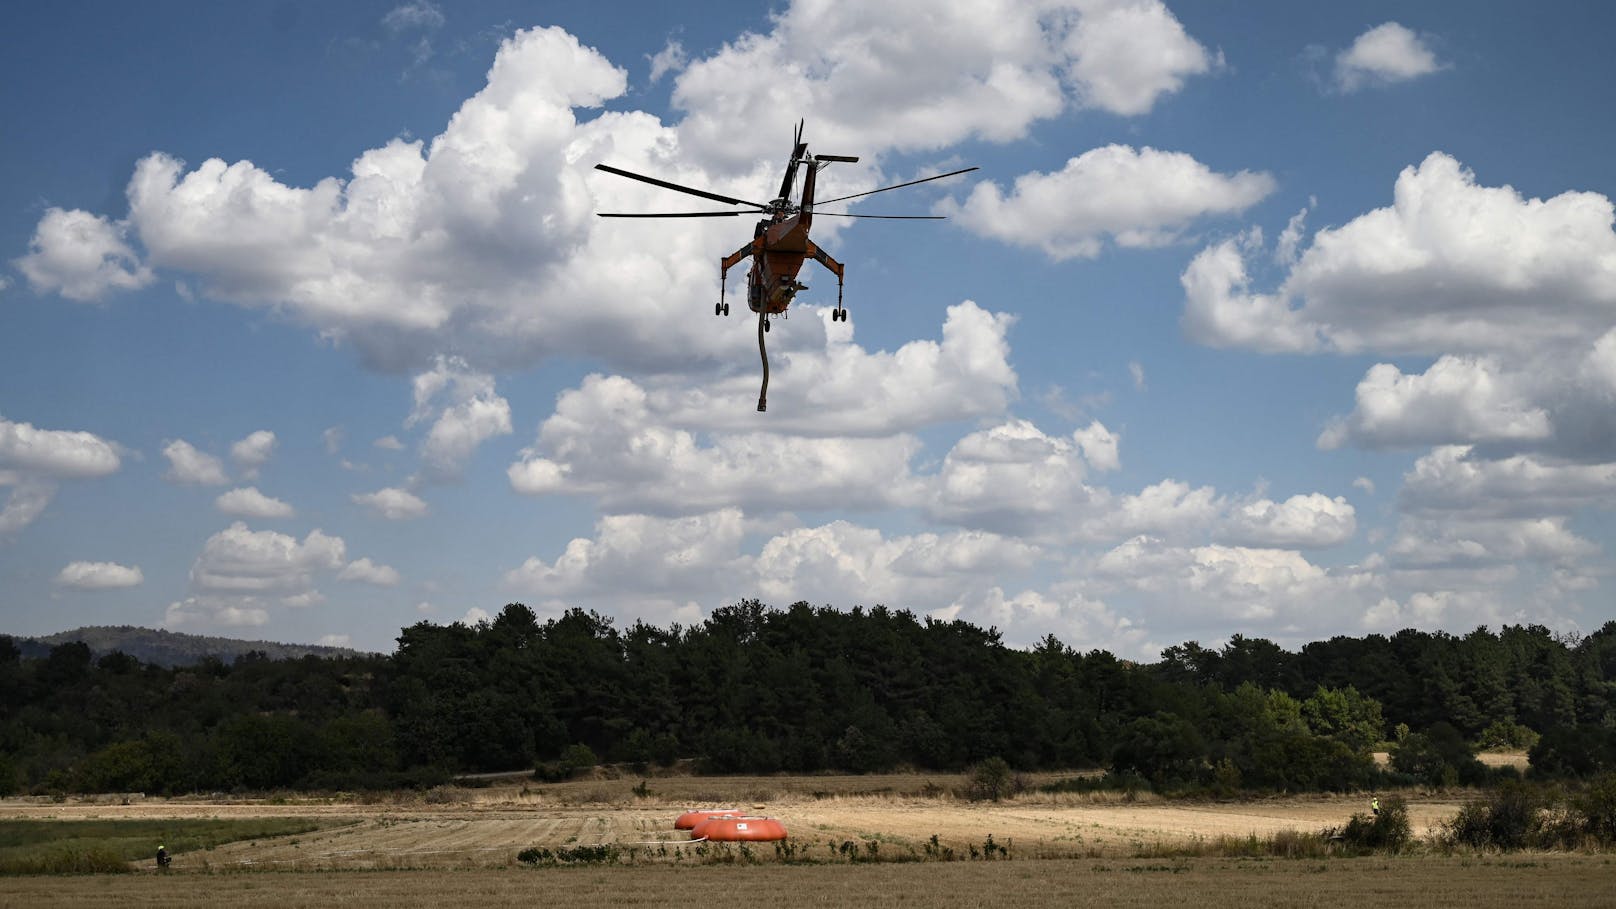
[(1274, 319)]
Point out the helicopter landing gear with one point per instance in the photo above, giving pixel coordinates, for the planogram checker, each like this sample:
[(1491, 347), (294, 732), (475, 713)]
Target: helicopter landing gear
[(838, 315), (720, 309)]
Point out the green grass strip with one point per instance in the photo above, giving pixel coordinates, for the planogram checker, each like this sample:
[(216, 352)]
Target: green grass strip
[(96, 846)]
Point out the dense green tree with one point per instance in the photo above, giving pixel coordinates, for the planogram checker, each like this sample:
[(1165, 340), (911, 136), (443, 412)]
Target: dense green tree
[(805, 689), (1439, 756), (1346, 716), (1162, 748)]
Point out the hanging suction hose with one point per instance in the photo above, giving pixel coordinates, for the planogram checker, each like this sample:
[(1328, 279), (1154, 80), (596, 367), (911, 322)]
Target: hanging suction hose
[(763, 395)]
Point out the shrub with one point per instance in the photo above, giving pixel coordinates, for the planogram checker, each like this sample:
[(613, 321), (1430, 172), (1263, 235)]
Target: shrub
[(1504, 734), (67, 861), (1388, 831), (579, 757), (1509, 817), (991, 780), (604, 854), (573, 761), (1595, 807)]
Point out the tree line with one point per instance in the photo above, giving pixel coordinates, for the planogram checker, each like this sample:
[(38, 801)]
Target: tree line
[(805, 689)]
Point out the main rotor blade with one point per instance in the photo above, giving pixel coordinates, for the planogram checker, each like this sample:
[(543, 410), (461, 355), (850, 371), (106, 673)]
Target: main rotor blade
[(843, 214), (676, 187), (675, 214), (883, 189)]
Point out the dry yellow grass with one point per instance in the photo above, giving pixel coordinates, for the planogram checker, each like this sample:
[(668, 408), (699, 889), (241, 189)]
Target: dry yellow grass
[(458, 846), (486, 827)]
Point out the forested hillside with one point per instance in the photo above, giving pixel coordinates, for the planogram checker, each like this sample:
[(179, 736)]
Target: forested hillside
[(806, 689), (169, 648)]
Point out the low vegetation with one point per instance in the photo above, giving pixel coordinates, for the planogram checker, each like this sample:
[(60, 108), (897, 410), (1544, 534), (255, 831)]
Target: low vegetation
[(1561, 882), (100, 846)]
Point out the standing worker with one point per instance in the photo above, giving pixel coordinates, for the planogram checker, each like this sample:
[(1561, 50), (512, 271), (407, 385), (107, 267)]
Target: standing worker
[(1374, 806)]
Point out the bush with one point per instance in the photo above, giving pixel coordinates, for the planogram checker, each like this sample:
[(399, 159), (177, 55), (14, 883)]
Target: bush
[(604, 854), (991, 780), (1509, 817), (579, 757), (1388, 831), (1595, 808), (1504, 734), (573, 761), (67, 861)]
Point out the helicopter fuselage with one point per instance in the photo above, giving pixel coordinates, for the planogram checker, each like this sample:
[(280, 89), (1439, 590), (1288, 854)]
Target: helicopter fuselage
[(782, 247), (779, 247)]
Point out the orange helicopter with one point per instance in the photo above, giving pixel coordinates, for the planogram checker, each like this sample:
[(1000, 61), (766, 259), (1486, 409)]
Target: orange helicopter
[(779, 243)]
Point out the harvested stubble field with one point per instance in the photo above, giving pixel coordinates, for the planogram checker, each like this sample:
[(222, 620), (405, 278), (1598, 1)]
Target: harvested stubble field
[(459, 845)]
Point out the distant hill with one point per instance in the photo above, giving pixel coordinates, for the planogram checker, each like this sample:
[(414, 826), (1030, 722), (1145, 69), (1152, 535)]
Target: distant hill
[(170, 648)]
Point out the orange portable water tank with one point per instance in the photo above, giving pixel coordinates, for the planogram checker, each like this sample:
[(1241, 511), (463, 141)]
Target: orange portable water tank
[(691, 818), (743, 829)]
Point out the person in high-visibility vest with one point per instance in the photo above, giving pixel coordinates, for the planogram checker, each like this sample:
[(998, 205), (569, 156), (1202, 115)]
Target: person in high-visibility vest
[(1374, 806)]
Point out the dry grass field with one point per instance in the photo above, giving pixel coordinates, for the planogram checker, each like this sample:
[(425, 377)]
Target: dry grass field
[(1551, 882), (458, 845), (486, 827)]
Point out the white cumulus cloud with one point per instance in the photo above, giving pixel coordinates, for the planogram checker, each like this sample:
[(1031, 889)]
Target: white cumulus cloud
[(1133, 198), (99, 576), (1301, 522), (482, 240), (365, 571), (915, 74), (392, 503), (191, 467), (248, 502), (1259, 587), (82, 256), (464, 411), (34, 460), (26, 500), (253, 452), (242, 574), (1077, 620), (1458, 400), (1126, 54), (1456, 478), (211, 612), (844, 563), (416, 14), (1511, 297), (239, 560), (1451, 266), (840, 427), (1383, 55), (55, 453)]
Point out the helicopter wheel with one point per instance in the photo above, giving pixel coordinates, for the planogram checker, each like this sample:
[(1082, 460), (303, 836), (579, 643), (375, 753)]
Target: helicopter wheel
[(718, 309), (726, 309)]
